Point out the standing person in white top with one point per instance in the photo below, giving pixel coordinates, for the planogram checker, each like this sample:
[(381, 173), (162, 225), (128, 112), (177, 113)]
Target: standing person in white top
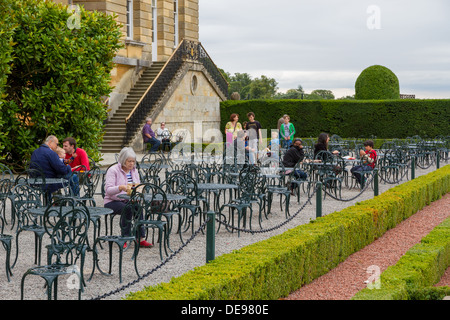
[(163, 134)]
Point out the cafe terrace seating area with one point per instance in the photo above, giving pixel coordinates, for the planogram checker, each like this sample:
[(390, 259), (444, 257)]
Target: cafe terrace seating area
[(47, 236)]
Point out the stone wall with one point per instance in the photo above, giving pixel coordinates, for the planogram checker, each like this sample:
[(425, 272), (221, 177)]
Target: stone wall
[(193, 106)]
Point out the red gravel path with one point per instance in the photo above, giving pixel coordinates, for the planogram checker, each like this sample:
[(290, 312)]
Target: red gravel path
[(344, 281)]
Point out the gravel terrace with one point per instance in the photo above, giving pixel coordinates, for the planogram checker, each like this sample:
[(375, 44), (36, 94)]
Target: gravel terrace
[(194, 254)]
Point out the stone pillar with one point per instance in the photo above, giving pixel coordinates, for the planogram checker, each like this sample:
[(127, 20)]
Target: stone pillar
[(142, 20), (166, 29), (188, 19)]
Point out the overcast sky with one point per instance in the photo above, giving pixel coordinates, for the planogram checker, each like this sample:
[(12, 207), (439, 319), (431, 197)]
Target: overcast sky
[(325, 44)]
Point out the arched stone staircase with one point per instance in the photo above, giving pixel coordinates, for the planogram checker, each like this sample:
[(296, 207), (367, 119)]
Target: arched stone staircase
[(115, 128), (152, 90)]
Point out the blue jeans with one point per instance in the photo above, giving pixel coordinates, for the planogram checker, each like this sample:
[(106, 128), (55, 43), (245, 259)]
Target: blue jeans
[(155, 144), (74, 183), (357, 170), (287, 143)]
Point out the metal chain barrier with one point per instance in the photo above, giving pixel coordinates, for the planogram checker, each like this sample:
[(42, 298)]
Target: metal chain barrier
[(193, 236), (431, 163), (408, 167), (355, 197), (227, 225)]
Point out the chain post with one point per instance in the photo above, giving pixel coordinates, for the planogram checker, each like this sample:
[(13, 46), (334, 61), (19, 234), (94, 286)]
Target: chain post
[(318, 199), (438, 159), (210, 236), (413, 167), (375, 182)]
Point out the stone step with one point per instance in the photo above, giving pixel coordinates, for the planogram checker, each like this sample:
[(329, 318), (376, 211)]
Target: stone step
[(115, 128)]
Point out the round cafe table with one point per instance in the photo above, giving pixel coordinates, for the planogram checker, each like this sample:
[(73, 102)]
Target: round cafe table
[(214, 187), (169, 197)]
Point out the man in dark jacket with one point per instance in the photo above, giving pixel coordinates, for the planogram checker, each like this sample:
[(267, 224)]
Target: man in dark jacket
[(294, 155), (46, 159)]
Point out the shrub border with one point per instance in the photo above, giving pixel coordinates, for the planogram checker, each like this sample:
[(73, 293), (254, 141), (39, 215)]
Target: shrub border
[(413, 276), (274, 267)]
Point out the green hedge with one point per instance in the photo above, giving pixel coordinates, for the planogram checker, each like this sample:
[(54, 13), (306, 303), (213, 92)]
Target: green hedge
[(348, 118), (273, 268), (420, 268)]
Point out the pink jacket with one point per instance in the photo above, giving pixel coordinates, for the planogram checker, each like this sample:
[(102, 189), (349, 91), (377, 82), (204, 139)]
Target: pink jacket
[(115, 176)]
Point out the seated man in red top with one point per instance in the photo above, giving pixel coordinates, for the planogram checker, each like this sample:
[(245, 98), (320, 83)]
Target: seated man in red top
[(76, 157), (368, 158)]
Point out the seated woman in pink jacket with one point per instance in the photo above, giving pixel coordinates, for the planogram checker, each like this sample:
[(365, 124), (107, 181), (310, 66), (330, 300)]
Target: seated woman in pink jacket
[(117, 179)]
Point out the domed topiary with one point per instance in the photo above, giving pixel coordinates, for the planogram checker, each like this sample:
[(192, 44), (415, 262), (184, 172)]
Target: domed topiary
[(377, 82)]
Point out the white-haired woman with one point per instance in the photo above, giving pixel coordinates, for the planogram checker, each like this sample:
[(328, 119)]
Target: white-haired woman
[(117, 179)]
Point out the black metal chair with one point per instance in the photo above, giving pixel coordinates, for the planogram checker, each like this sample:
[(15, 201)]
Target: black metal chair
[(126, 221), (177, 183), (88, 181), (243, 202), (389, 169), (102, 192), (5, 239), (329, 172), (25, 199), (6, 174), (68, 234), (149, 171), (154, 201), (295, 181), (275, 173)]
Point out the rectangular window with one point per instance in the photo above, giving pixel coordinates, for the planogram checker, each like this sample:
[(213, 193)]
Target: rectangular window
[(154, 17), (129, 24), (175, 18)]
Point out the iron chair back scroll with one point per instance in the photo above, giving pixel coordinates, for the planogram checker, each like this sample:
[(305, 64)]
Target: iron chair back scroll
[(68, 232)]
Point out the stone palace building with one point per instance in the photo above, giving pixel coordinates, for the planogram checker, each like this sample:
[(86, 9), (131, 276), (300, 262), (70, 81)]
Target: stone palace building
[(162, 72)]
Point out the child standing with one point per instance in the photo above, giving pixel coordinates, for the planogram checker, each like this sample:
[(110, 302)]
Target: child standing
[(274, 146), (287, 132)]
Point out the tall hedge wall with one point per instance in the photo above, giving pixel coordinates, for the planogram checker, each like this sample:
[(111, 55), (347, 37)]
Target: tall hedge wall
[(349, 118)]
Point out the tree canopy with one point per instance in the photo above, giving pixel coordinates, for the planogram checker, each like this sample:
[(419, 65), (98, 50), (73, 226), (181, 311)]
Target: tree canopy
[(57, 76), (267, 88)]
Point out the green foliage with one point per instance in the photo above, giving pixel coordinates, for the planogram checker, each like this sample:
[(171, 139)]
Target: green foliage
[(291, 94), (320, 94), (239, 82), (259, 88), (377, 82), (263, 88), (420, 268), (385, 119), (7, 27), (59, 77), (273, 268)]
